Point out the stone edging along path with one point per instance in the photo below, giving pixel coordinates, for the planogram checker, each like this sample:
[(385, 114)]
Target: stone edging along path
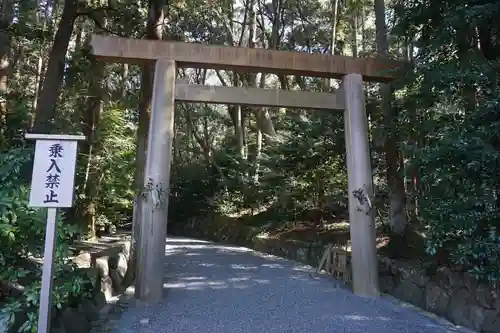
[(105, 262), (456, 296)]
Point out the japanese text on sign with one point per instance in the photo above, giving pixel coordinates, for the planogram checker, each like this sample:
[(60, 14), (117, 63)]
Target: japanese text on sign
[(53, 173), (53, 178)]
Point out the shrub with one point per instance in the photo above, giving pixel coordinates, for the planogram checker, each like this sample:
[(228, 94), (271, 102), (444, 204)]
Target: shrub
[(22, 231)]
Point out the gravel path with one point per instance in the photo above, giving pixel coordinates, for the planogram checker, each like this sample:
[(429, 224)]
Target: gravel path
[(218, 288)]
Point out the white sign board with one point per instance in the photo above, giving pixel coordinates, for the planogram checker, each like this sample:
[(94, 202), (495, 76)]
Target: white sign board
[(52, 187), (53, 177)]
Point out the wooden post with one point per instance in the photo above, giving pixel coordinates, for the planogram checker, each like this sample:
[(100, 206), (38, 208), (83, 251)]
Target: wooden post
[(362, 223), (154, 205)]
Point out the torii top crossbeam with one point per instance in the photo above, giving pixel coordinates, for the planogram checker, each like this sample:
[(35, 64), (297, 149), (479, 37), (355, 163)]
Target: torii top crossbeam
[(242, 59)]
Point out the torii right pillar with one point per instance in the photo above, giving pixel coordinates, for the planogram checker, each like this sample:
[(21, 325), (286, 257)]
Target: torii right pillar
[(360, 179)]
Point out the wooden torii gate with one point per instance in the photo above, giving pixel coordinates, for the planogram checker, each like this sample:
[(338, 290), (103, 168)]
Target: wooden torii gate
[(349, 98)]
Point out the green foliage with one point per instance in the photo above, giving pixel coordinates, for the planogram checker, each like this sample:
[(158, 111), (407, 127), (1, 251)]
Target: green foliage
[(454, 90), (305, 170), (22, 231), (115, 165), (448, 127)]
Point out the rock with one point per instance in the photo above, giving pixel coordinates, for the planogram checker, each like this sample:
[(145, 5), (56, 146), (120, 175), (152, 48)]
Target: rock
[(470, 282), (83, 260), (393, 268), (448, 279), (278, 251), (419, 277), (291, 252), (118, 262), (113, 262), (387, 284), (122, 264), (384, 265), (491, 323), (107, 287), (411, 272), (302, 255), (496, 296), (116, 279), (104, 282), (126, 249), (102, 266), (409, 292), (477, 315), (315, 255), (463, 310), (144, 322), (436, 299), (484, 296)]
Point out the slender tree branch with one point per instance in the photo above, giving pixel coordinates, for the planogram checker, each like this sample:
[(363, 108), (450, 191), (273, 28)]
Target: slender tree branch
[(221, 79), (90, 14), (206, 149), (245, 19)]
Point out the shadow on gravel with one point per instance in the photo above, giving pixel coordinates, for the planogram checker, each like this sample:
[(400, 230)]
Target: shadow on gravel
[(238, 271), (229, 289)]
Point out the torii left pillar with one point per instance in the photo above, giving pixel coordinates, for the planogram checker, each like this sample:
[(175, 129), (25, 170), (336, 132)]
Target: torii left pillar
[(153, 204), (360, 182)]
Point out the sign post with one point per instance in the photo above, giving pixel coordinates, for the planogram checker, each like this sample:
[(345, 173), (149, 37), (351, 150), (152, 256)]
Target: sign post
[(52, 185)]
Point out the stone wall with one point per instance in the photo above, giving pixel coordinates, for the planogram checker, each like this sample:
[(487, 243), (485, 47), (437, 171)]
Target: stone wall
[(459, 297), (106, 265)]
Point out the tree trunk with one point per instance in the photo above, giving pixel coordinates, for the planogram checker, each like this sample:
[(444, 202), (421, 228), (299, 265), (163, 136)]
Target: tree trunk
[(46, 105), (154, 30), (235, 113), (489, 33), (414, 139), (123, 82), (5, 48), (335, 9), (354, 31), (398, 220), (363, 28), (238, 132), (90, 148), (333, 32), (46, 20), (80, 38), (258, 140), (264, 121)]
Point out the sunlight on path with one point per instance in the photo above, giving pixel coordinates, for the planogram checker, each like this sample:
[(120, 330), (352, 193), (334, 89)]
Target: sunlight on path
[(219, 288)]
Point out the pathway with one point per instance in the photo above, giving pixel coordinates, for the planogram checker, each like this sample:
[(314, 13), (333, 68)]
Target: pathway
[(219, 288)]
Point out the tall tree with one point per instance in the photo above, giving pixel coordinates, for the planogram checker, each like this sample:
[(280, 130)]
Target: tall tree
[(6, 13), (90, 148), (397, 217), (46, 106)]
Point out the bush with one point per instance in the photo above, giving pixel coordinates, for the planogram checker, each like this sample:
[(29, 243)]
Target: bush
[(22, 231)]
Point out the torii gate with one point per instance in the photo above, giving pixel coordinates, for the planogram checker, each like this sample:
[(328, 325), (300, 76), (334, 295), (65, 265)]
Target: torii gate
[(349, 98)]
